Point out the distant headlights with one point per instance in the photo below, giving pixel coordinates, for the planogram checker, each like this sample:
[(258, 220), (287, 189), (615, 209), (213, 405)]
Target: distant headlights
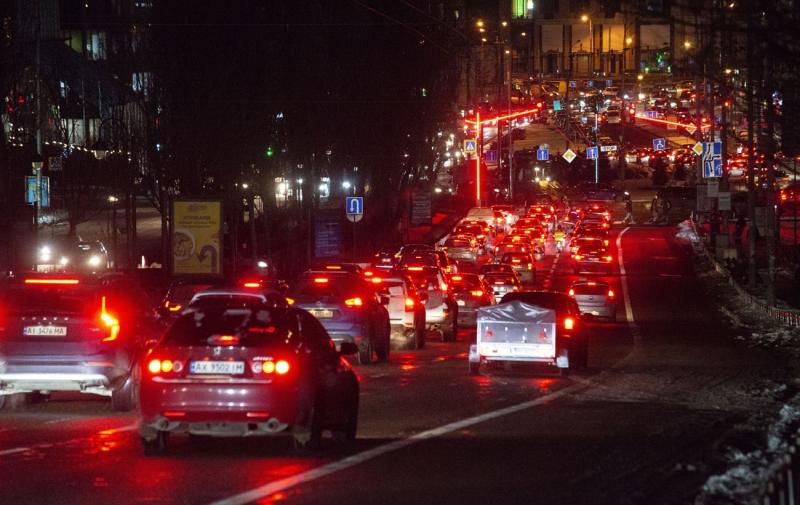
[(45, 254), (94, 261)]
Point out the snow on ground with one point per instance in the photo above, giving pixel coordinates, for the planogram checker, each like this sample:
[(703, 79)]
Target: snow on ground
[(757, 455)]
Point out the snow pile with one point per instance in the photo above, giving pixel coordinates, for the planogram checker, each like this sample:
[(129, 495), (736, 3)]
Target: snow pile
[(687, 234), (779, 337), (746, 479)]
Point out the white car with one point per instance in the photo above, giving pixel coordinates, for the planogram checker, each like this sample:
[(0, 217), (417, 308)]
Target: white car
[(406, 310)]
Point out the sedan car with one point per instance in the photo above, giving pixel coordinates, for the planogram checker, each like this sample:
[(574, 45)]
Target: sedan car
[(592, 258), (441, 310), (279, 365), (73, 333), (405, 307), (501, 284), (595, 298), (471, 293), (460, 249), (348, 308), (523, 266)]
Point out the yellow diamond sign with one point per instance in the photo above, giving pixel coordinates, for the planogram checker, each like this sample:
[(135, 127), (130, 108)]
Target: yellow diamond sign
[(569, 155), (691, 129), (698, 148)]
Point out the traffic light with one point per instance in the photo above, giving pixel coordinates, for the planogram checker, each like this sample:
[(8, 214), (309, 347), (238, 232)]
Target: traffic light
[(269, 152)]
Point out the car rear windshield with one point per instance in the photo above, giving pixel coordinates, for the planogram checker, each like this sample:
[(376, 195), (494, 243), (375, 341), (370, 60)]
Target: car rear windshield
[(323, 286), (465, 282), (590, 289), (184, 292), (519, 257), (457, 243), (63, 300), (255, 326), (499, 279)]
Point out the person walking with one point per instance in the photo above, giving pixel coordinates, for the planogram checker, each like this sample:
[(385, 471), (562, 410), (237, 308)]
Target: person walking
[(666, 205), (628, 210), (655, 210)]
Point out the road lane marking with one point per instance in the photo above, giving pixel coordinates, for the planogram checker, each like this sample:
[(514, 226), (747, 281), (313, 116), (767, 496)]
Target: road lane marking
[(362, 457), (15, 450), (625, 293), (111, 431)]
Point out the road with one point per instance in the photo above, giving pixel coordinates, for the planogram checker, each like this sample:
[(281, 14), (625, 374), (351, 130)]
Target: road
[(664, 385)]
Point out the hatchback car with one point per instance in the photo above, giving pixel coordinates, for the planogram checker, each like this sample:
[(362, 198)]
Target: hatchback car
[(501, 283), (279, 365), (441, 310), (595, 298), (460, 249), (523, 266), (471, 293), (180, 293), (405, 307), (73, 333), (592, 257), (348, 308)]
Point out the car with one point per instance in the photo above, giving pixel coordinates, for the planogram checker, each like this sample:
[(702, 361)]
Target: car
[(441, 310), (502, 283), (523, 265), (595, 298), (613, 117), (510, 247), (406, 309), (223, 295), (180, 293), (611, 91), (473, 229), (500, 268), (481, 213), (470, 293), (592, 257), (278, 364), (73, 333), (348, 308), (597, 191), (420, 258), (460, 249)]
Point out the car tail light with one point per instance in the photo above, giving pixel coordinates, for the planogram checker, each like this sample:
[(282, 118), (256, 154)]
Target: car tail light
[(569, 323), (516, 261), (223, 340), (157, 366), (477, 292), (611, 293), (608, 258), (605, 243), (281, 367), (456, 278), (321, 280), (376, 280), (369, 273), (571, 292), (109, 321), (578, 257), (251, 285), (354, 302), (62, 282), (409, 304), (333, 267), (443, 286), (415, 269), (290, 301)]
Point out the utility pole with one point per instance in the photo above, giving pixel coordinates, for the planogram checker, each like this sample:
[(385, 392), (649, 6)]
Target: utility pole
[(510, 134), (772, 229), (751, 188)]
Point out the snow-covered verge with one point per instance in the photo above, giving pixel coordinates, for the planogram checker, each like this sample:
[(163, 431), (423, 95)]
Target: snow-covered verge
[(755, 451)]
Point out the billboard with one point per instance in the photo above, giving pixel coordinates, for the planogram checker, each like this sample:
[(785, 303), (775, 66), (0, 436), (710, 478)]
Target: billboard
[(196, 237), (328, 234)]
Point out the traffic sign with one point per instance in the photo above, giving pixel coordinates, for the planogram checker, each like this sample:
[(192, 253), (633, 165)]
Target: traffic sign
[(556, 105), (470, 146), (698, 148), (606, 149), (569, 155), (659, 144), (573, 84), (354, 207), (591, 153), (691, 129), (590, 84), (712, 168), (542, 154)]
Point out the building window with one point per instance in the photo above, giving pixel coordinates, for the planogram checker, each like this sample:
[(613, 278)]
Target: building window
[(522, 9)]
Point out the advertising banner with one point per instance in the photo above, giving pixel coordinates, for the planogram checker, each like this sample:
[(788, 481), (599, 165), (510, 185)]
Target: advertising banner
[(196, 237)]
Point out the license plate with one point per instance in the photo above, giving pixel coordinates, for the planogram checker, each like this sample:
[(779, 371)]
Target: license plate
[(321, 313), (461, 303), (217, 367), (45, 331)]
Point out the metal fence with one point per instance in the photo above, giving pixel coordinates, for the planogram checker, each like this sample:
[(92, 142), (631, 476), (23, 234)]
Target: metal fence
[(783, 488)]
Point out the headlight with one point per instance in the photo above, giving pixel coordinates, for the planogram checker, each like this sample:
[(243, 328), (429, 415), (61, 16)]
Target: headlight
[(45, 254), (63, 261), (94, 261)]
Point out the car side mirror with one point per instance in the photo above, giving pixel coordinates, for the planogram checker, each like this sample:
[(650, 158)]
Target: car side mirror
[(384, 299), (347, 348)]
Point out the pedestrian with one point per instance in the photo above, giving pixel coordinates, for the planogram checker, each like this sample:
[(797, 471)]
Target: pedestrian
[(739, 230), (666, 205), (628, 211), (654, 210)]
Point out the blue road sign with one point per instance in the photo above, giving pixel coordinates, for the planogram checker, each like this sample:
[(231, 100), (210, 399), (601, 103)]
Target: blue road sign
[(712, 168), (652, 114), (712, 159), (490, 156), (590, 84), (573, 84), (542, 154), (470, 146), (659, 144), (712, 149), (31, 195), (591, 153), (556, 105), (45, 189), (609, 83), (354, 205), (32, 192)]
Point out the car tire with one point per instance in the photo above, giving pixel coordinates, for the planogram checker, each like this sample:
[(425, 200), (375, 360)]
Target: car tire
[(365, 355), (126, 398), (347, 434), (155, 446), (307, 430), (474, 368)]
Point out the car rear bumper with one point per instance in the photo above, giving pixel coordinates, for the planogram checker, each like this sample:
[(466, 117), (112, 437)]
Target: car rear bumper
[(593, 267), (437, 315), (97, 377), (608, 311)]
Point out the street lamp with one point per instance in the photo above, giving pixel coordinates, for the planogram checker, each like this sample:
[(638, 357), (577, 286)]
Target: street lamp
[(585, 18), (112, 199)]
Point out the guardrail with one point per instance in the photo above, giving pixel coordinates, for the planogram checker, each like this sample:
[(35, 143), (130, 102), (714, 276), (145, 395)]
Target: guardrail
[(784, 316), (783, 488)]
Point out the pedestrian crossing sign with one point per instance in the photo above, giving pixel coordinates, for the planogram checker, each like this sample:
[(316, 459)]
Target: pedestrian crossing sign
[(470, 146)]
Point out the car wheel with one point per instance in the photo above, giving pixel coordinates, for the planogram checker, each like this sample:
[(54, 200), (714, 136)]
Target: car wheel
[(365, 355), (474, 368), (382, 351), (347, 434), (155, 446), (126, 398), (307, 431)]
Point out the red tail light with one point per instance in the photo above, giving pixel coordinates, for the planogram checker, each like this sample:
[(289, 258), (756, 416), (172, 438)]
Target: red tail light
[(477, 292), (354, 302), (569, 323), (608, 258), (280, 367), (251, 284), (376, 280), (578, 257), (62, 282), (571, 292), (109, 322), (157, 366), (409, 304), (223, 340), (320, 280), (611, 293)]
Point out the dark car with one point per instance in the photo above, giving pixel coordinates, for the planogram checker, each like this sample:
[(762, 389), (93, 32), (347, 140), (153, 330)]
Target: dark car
[(593, 257), (471, 293), (571, 333), (279, 365), (73, 333), (349, 309), (180, 292)]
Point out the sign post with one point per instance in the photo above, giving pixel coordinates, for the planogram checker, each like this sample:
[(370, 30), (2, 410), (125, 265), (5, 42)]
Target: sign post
[(354, 208)]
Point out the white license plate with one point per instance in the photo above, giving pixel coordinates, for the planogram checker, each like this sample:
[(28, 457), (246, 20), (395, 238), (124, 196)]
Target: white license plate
[(45, 331), (321, 313), (217, 367), (461, 303)]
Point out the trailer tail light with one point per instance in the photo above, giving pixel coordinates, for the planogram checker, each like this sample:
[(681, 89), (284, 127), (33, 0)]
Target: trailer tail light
[(569, 323), (354, 302)]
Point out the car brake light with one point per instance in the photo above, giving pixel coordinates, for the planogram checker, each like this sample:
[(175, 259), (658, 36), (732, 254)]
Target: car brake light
[(290, 301), (477, 292), (109, 321), (415, 269), (578, 257), (156, 366), (333, 267), (251, 285), (223, 340), (456, 278), (354, 302), (174, 308), (571, 292), (376, 280), (610, 293), (369, 273), (516, 261), (608, 258), (569, 323), (605, 243), (281, 367), (409, 303), (443, 286), (69, 282), (591, 283), (320, 280)]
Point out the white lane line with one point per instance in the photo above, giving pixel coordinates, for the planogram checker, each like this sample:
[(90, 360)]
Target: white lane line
[(362, 457), (625, 293), (102, 433)]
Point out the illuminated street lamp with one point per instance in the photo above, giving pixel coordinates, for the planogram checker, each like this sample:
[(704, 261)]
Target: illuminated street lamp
[(586, 18)]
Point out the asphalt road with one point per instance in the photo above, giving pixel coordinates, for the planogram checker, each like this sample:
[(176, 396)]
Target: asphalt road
[(661, 390)]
